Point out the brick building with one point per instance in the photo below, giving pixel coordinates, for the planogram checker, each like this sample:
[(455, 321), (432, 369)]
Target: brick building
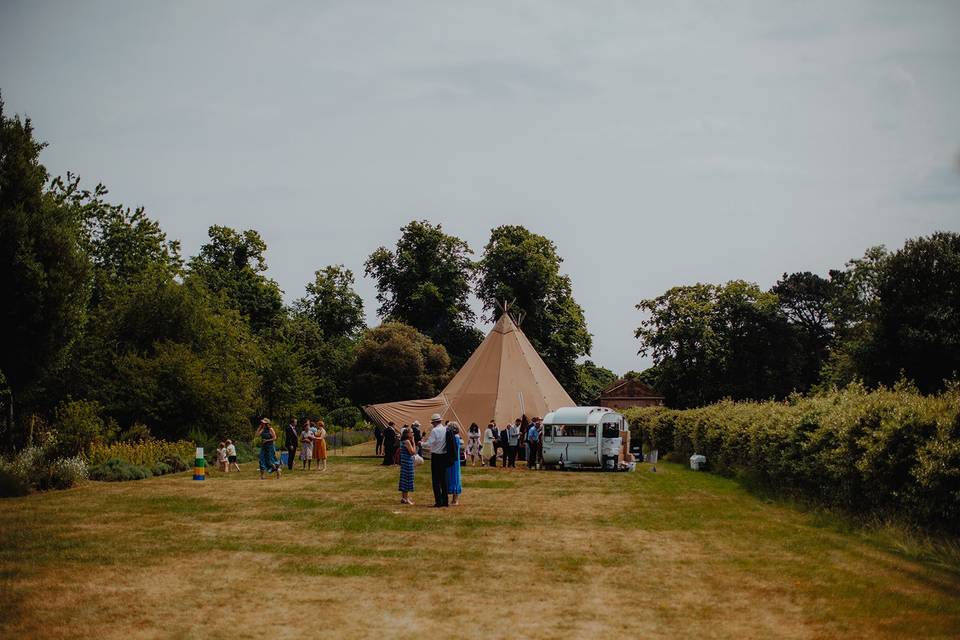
[(626, 393)]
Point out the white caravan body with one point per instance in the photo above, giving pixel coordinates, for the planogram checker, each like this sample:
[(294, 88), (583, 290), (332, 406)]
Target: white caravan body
[(583, 437)]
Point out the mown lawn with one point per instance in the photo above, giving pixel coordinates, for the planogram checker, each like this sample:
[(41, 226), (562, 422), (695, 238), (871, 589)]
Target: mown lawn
[(528, 554)]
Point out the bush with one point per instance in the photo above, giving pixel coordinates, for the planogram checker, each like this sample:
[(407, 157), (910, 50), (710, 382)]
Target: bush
[(343, 417), (78, 425), (38, 468), (891, 452), (12, 485), (175, 463), (117, 470), (136, 433), (145, 453), (67, 472), (161, 469)]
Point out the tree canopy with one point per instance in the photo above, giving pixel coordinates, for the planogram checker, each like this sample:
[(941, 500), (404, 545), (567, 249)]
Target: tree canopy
[(425, 283), (523, 269)]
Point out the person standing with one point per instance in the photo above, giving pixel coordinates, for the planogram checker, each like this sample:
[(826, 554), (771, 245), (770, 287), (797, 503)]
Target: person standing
[(306, 446), (504, 444), (320, 446), (489, 452), (378, 436), (389, 444), (407, 451), (533, 440), (268, 448), (232, 456), (473, 445), (436, 443), (454, 445), (290, 438), (513, 440), (417, 437)]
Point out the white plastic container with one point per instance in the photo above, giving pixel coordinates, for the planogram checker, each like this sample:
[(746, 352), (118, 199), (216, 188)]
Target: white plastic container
[(697, 461)]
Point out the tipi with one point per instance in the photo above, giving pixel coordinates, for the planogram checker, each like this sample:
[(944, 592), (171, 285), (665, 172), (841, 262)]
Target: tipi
[(504, 378)]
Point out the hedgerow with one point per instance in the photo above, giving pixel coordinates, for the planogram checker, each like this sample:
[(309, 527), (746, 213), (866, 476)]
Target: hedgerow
[(146, 453), (892, 453)]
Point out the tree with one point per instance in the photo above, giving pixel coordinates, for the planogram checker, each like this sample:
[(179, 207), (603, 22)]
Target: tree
[(591, 381), (43, 267), (425, 283), (523, 269), (396, 362), (805, 299), (853, 310), (332, 303), (916, 325), (233, 263), (710, 342)]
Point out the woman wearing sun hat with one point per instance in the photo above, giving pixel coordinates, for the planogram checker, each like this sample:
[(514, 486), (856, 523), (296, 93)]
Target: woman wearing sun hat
[(268, 448)]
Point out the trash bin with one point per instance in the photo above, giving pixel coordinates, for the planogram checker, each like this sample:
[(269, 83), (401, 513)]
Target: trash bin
[(284, 456)]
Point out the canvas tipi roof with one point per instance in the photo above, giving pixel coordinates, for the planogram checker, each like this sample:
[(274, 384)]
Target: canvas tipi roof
[(504, 378)]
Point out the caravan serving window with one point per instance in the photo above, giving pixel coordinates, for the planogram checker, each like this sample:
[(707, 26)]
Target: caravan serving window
[(570, 430)]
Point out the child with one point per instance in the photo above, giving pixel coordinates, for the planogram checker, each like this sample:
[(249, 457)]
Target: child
[(222, 457), (232, 456)]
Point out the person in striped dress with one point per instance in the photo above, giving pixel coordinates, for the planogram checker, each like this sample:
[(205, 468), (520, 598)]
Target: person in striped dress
[(407, 451)]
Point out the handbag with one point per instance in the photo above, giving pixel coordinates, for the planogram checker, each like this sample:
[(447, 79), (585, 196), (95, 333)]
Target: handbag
[(417, 460)]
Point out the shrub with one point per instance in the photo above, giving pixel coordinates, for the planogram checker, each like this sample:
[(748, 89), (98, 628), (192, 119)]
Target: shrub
[(67, 472), (12, 485), (161, 469), (890, 452), (175, 463), (343, 417), (78, 425), (145, 453), (136, 433), (117, 470)]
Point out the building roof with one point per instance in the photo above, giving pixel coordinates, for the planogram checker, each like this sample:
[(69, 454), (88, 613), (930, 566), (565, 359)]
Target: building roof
[(630, 389)]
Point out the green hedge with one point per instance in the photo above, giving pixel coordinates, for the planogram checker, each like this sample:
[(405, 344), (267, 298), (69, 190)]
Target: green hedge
[(891, 452)]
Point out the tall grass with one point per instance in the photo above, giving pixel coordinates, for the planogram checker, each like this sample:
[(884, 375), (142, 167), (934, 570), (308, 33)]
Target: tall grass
[(146, 453)]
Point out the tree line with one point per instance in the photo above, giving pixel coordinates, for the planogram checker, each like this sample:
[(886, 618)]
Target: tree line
[(108, 327), (884, 317)]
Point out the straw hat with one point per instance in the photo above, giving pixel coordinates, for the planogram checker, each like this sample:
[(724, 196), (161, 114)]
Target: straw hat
[(435, 418)]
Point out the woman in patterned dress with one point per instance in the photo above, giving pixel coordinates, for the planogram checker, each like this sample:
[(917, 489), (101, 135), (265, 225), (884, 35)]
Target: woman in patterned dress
[(407, 451), (454, 489)]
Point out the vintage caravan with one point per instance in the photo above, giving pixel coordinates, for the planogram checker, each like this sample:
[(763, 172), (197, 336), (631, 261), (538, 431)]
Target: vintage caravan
[(584, 437)]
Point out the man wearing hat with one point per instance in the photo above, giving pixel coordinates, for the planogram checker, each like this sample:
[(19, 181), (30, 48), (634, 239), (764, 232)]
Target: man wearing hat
[(436, 442)]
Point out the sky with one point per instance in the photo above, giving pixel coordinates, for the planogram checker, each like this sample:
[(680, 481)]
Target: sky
[(657, 144)]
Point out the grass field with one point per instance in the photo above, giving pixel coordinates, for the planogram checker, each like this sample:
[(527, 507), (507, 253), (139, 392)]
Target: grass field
[(527, 554)]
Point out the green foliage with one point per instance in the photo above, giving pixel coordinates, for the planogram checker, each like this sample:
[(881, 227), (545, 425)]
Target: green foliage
[(332, 303), (41, 468), (394, 362), (591, 380), (425, 283), (286, 382), (890, 452), (43, 267), (117, 470), (917, 320), (11, 485), (344, 417), (232, 264), (78, 426), (523, 269), (146, 453), (711, 342)]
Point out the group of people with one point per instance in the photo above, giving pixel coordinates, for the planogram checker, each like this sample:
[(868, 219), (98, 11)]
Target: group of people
[(404, 446), (310, 439), (522, 439), (227, 457), (445, 446), (313, 444)]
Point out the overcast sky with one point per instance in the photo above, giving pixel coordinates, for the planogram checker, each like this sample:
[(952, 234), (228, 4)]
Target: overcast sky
[(655, 145)]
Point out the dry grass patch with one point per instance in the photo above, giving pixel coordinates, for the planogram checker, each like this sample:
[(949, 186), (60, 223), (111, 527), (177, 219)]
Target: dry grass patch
[(556, 555)]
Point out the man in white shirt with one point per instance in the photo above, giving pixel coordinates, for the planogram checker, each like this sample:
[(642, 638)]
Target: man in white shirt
[(436, 443)]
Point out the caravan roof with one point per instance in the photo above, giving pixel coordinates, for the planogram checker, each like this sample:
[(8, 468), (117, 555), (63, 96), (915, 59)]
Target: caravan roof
[(577, 415)]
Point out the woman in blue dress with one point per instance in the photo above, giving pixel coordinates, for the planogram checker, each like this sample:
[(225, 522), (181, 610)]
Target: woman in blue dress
[(454, 444), (407, 451), (268, 449)]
